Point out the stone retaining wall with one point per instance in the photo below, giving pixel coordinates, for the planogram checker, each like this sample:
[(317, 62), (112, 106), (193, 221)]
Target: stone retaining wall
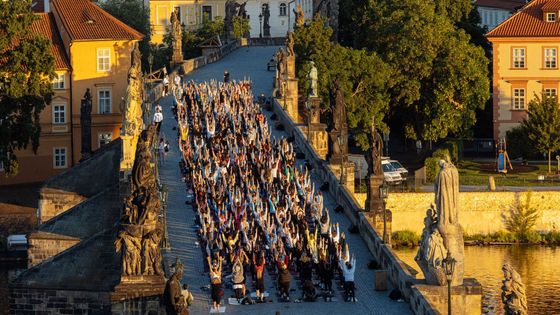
[(480, 212), (398, 273), (33, 301), (41, 248)]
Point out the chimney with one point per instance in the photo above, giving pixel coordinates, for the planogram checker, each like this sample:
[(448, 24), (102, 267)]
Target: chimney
[(47, 6)]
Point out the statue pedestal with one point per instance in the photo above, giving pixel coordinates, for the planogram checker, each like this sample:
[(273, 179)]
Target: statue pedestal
[(318, 138), (347, 175), (177, 57), (466, 299), (129, 152), (132, 287), (375, 218), (290, 100), (291, 67), (373, 201), (315, 105)]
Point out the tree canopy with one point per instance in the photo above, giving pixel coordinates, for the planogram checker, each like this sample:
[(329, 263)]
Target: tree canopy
[(439, 78), (26, 73), (543, 125), (361, 74)]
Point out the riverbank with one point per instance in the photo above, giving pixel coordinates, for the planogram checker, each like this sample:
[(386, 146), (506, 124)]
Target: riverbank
[(407, 238)]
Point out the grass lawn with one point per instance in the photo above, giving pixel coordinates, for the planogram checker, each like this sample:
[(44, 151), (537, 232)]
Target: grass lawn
[(475, 173)]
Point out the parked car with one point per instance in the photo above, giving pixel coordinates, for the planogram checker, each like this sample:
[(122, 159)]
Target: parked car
[(392, 176), (398, 166)]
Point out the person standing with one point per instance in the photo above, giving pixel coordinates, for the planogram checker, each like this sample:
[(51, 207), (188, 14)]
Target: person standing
[(226, 76), (158, 118), (165, 86)]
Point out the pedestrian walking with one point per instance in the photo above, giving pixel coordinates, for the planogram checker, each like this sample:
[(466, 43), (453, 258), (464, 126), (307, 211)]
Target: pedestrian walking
[(158, 118)]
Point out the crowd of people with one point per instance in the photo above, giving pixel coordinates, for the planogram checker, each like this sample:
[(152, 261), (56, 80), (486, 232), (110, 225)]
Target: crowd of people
[(256, 210)]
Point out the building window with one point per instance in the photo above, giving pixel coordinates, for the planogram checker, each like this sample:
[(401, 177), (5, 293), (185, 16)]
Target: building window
[(550, 58), (105, 138), (104, 59), (551, 17), (519, 58), (59, 158), (104, 101), (518, 99), (283, 9), (58, 82), (59, 114), (207, 12), (549, 93)]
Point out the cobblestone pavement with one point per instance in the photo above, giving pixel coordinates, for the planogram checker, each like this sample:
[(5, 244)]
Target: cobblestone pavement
[(251, 63)]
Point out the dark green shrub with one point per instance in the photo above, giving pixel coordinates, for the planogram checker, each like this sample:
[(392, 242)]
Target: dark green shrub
[(405, 238), (431, 165), (519, 145), (521, 218), (454, 148)]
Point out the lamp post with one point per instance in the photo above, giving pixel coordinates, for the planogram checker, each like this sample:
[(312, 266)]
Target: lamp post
[(448, 265), (260, 25), (558, 165), (384, 194), (150, 61), (308, 107)]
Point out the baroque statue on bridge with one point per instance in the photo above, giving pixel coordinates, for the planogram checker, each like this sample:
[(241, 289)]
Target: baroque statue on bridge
[(442, 232), (313, 77), (131, 107), (375, 151), (300, 16), (513, 292)]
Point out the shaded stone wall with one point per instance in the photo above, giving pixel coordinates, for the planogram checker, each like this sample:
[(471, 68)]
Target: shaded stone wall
[(55, 201), (46, 301), (480, 212), (41, 248)]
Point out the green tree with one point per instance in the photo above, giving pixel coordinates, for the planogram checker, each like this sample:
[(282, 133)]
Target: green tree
[(27, 68), (135, 14), (361, 74), (439, 78), (211, 28), (521, 218), (241, 27), (543, 125)]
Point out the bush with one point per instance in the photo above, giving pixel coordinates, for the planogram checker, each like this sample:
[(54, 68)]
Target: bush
[(454, 149), (552, 238), (405, 238), (521, 219), (431, 165), (441, 154), (519, 145)]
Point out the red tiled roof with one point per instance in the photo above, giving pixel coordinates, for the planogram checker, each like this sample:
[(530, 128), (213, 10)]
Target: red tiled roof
[(84, 20), (528, 22), (45, 26), (510, 5), (551, 6)]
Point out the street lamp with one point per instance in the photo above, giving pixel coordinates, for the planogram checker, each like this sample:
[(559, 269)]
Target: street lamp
[(150, 61), (384, 194), (448, 264), (558, 165), (260, 25), (340, 143), (308, 107)]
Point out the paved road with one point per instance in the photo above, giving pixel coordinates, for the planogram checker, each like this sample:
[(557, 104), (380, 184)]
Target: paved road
[(251, 63)]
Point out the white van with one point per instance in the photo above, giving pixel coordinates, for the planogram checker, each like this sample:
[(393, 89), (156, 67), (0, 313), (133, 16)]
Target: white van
[(392, 176), (398, 166)]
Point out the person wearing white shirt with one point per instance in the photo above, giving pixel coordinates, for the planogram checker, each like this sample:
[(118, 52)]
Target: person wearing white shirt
[(158, 118)]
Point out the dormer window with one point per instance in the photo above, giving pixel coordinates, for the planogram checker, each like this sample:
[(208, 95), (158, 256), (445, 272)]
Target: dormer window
[(551, 17)]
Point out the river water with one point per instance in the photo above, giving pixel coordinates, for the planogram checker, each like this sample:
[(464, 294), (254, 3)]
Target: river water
[(537, 265)]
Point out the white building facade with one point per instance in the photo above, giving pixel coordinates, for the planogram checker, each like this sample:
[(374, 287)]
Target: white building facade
[(494, 12), (282, 15)]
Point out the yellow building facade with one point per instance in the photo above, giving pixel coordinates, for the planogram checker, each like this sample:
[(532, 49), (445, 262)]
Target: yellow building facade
[(191, 13), (92, 51), (525, 62)]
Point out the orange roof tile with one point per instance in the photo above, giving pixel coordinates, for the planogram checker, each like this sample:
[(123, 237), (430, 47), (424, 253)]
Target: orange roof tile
[(528, 22), (84, 20), (45, 26), (551, 6)]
